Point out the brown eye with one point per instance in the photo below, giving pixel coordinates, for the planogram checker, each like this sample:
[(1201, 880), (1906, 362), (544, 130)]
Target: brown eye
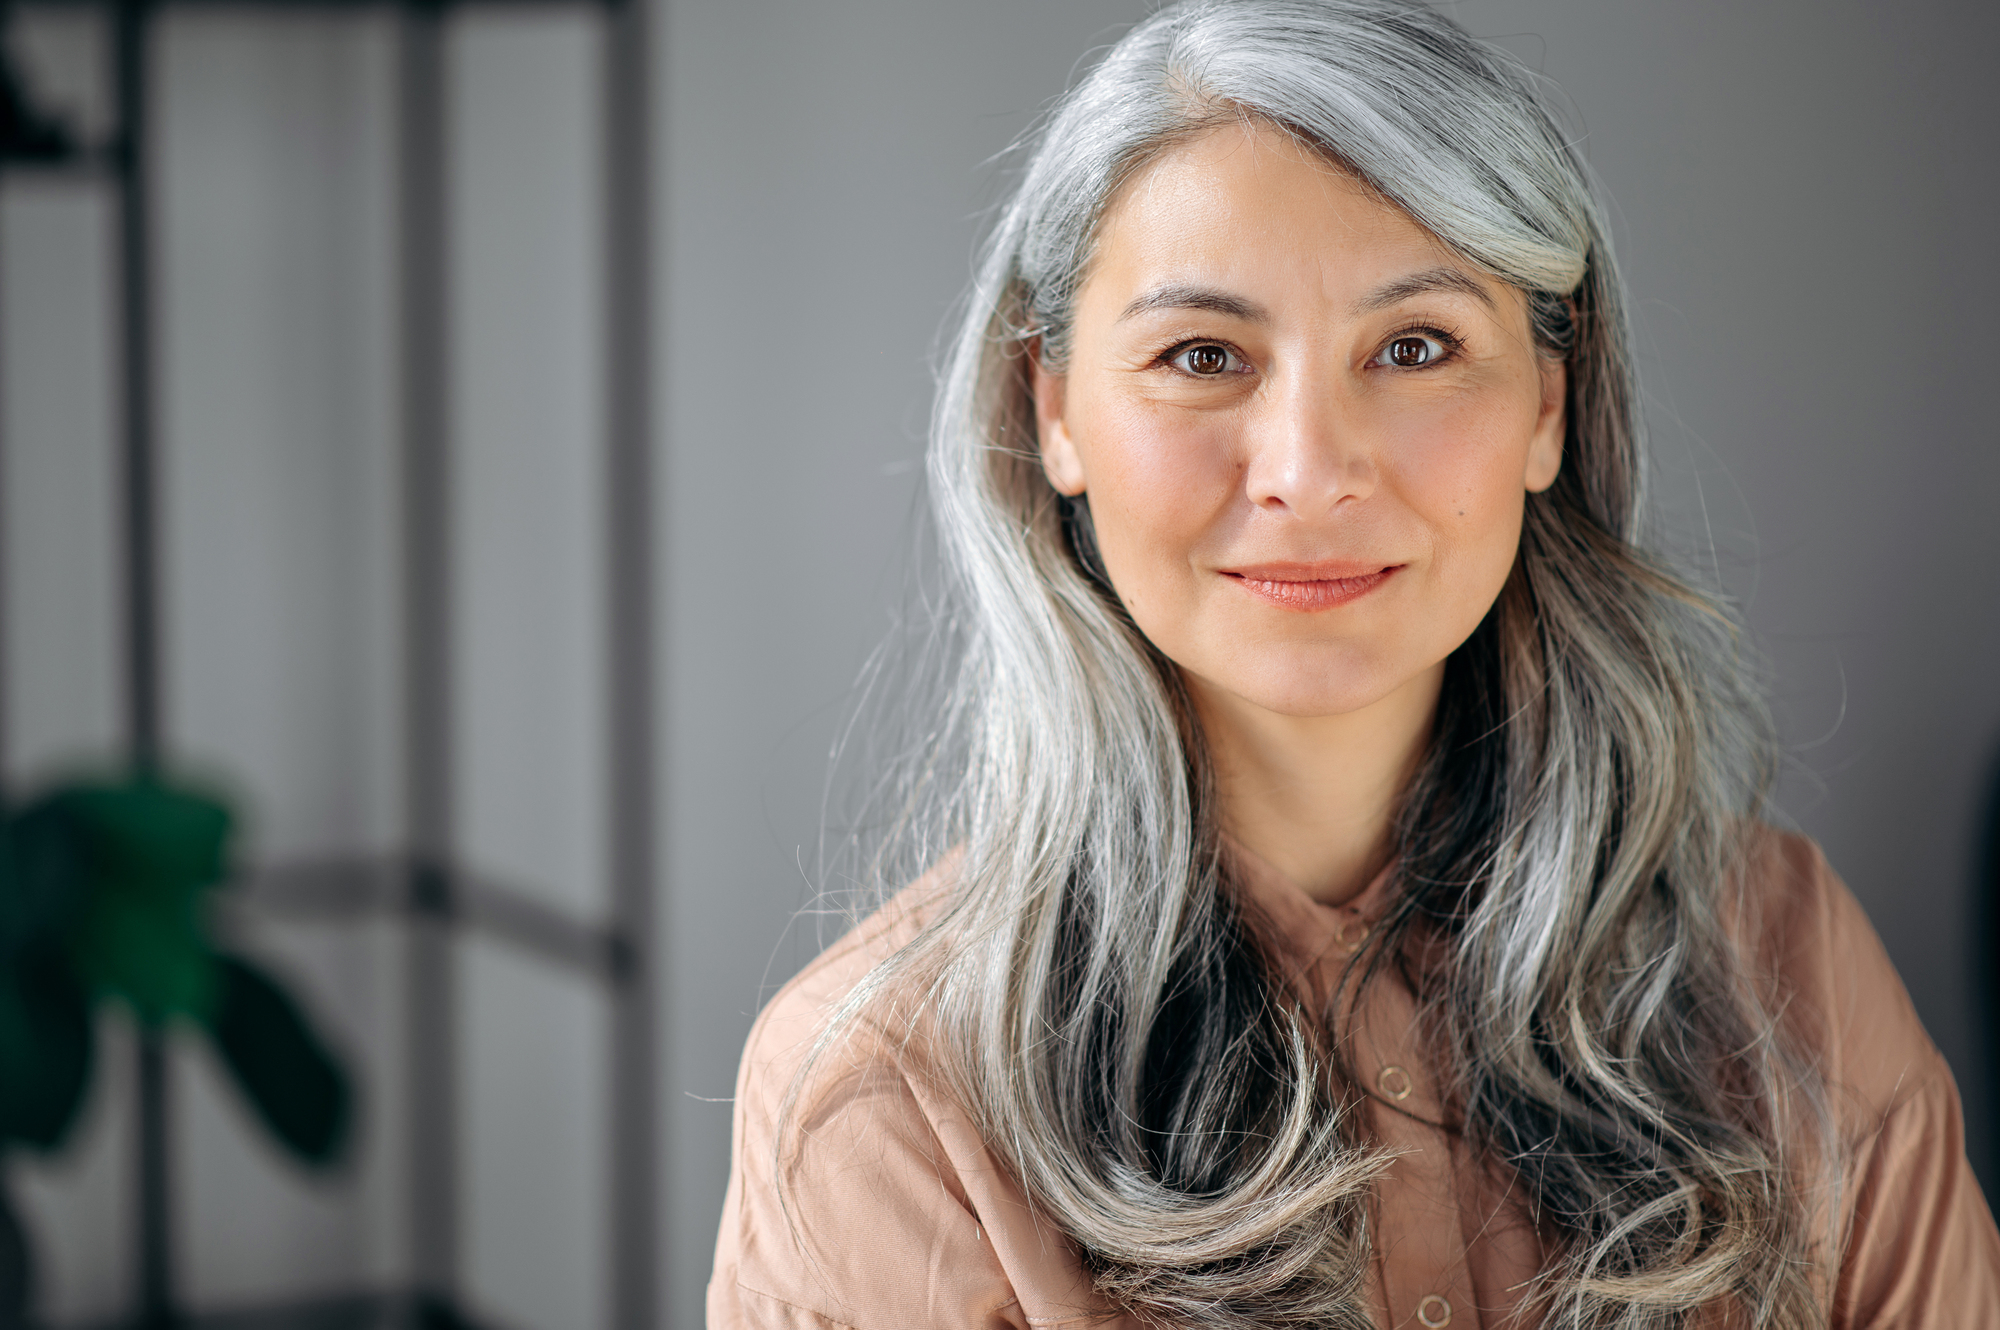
[(1410, 352), (1205, 360)]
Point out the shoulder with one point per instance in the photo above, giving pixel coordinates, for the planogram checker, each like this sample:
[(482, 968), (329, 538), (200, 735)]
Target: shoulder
[(1813, 951), (841, 1085), (792, 1071), (791, 1022), (824, 1161), (860, 1196), (1918, 1245)]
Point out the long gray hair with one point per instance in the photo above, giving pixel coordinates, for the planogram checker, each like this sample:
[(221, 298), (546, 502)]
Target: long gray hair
[(1091, 990)]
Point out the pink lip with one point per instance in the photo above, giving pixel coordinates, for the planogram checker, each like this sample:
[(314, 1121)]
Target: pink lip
[(1310, 587)]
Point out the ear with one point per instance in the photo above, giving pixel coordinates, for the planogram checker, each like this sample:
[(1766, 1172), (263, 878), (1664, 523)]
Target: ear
[(1545, 450), (1060, 460)]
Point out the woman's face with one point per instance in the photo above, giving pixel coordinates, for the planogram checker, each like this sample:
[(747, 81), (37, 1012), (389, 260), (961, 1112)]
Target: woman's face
[(1305, 428)]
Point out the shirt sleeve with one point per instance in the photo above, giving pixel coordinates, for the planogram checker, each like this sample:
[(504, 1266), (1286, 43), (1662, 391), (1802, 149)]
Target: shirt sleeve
[(860, 1222), (1921, 1252), (1918, 1249), (867, 1200)]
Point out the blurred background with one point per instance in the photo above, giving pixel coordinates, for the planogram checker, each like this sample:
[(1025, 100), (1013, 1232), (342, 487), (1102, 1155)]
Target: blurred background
[(528, 402)]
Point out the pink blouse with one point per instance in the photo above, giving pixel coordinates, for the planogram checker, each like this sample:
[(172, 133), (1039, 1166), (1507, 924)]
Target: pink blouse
[(895, 1215)]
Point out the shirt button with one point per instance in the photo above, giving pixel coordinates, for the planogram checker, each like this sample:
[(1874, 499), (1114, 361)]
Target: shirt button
[(1396, 1083), (1434, 1311)]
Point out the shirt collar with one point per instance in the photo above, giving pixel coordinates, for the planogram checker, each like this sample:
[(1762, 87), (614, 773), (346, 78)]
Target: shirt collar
[(1301, 929)]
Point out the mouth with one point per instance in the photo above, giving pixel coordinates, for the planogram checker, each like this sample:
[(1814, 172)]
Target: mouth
[(1308, 588)]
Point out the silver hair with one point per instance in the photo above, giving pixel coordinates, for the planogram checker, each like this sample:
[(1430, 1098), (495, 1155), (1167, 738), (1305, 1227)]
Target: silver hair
[(1091, 990)]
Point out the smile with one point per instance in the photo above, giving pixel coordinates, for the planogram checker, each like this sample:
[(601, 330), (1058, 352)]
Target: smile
[(1308, 588)]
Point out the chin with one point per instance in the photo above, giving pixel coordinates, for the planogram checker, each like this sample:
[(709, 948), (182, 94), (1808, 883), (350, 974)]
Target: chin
[(1314, 704), (1309, 689)]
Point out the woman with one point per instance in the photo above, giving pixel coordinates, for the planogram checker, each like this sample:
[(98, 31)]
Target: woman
[(1346, 902)]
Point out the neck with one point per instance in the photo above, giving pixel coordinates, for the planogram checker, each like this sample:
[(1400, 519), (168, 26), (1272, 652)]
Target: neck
[(1316, 796)]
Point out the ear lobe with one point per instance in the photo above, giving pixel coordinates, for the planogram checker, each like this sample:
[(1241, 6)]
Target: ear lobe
[(1545, 450), (1060, 460)]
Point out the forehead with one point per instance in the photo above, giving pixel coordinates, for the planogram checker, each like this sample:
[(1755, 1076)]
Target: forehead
[(1245, 204)]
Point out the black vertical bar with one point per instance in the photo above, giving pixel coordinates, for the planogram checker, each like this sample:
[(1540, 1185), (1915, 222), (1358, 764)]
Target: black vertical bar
[(433, 1159), (142, 646), (6, 655), (634, 1182), (142, 635), (156, 1283)]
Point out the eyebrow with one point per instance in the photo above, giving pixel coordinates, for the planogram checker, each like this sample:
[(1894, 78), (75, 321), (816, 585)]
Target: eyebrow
[(1177, 295), (1422, 283), (1181, 295)]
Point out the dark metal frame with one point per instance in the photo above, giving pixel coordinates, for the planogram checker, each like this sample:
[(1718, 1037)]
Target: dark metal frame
[(427, 886)]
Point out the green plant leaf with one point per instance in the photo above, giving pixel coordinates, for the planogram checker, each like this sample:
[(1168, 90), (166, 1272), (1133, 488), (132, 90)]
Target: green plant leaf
[(148, 837), (47, 1042), (280, 1061), (149, 852), (43, 879), (150, 953)]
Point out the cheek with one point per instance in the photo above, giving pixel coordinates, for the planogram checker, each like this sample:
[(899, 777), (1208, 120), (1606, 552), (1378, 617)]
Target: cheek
[(1461, 468), (1463, 465), (1158, 483)]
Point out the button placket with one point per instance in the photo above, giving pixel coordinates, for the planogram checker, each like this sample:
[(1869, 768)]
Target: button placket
[(1426, 1283)]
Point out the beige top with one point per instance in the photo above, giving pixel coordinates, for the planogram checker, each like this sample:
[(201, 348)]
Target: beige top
[(900, 1218)]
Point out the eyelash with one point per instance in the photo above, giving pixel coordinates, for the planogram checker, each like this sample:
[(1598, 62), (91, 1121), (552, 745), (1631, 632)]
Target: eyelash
[(1449, 342), (1171, 357)]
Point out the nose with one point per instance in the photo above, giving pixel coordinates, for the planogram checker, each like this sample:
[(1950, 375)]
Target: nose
[(1307, 455)]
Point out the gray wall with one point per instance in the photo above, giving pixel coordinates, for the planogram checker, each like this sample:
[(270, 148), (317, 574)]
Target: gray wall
[(1796, 188)]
